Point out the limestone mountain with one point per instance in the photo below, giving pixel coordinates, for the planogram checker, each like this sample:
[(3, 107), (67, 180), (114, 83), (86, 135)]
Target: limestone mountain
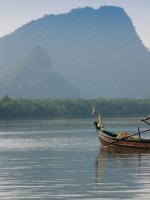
[(96, 50), (33, 77)]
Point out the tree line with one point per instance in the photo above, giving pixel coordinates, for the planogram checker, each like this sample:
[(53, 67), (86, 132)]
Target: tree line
[(40, 108)]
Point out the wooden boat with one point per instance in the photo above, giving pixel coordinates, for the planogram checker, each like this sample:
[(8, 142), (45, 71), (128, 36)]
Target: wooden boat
[(109, 138)]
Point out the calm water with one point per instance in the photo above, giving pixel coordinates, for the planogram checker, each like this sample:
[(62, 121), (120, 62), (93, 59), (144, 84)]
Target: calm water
[(63, 159)]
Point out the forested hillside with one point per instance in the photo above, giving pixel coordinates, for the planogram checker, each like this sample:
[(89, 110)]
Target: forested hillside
[(33, 76)]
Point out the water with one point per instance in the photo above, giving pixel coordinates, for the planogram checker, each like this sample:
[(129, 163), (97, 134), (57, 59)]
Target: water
[(63, 159)]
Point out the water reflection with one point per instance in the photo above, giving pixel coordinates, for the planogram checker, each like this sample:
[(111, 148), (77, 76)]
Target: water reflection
[(120, 173), (52, 160)]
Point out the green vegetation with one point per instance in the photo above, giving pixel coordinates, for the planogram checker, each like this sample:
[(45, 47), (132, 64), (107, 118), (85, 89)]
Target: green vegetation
[(16, 108)]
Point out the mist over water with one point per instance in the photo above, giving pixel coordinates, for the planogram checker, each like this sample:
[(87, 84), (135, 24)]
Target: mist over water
[(63, 159)]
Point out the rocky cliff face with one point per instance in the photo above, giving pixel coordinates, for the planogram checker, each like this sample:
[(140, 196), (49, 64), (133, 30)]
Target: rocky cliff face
[(98, 53), (33, 77)]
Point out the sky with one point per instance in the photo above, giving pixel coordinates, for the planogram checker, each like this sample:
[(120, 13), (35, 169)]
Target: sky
[(15, 13)]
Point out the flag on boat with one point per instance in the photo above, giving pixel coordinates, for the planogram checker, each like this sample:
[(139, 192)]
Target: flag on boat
[(93, 110)]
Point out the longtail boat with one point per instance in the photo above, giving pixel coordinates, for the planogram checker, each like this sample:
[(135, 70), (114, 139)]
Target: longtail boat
[(122, 139)]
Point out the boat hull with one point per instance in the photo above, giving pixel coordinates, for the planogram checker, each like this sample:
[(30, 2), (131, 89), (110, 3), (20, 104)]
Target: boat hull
[(107, 140)]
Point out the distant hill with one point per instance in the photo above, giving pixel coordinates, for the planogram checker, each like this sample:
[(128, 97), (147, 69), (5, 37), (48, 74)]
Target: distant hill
[(97, 51), (33, 77)]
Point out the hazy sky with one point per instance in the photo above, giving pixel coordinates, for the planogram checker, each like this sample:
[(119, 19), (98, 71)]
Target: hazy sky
[(14, 13)]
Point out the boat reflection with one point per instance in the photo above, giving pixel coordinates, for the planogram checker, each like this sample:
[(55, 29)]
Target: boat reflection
[(119, 171)]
